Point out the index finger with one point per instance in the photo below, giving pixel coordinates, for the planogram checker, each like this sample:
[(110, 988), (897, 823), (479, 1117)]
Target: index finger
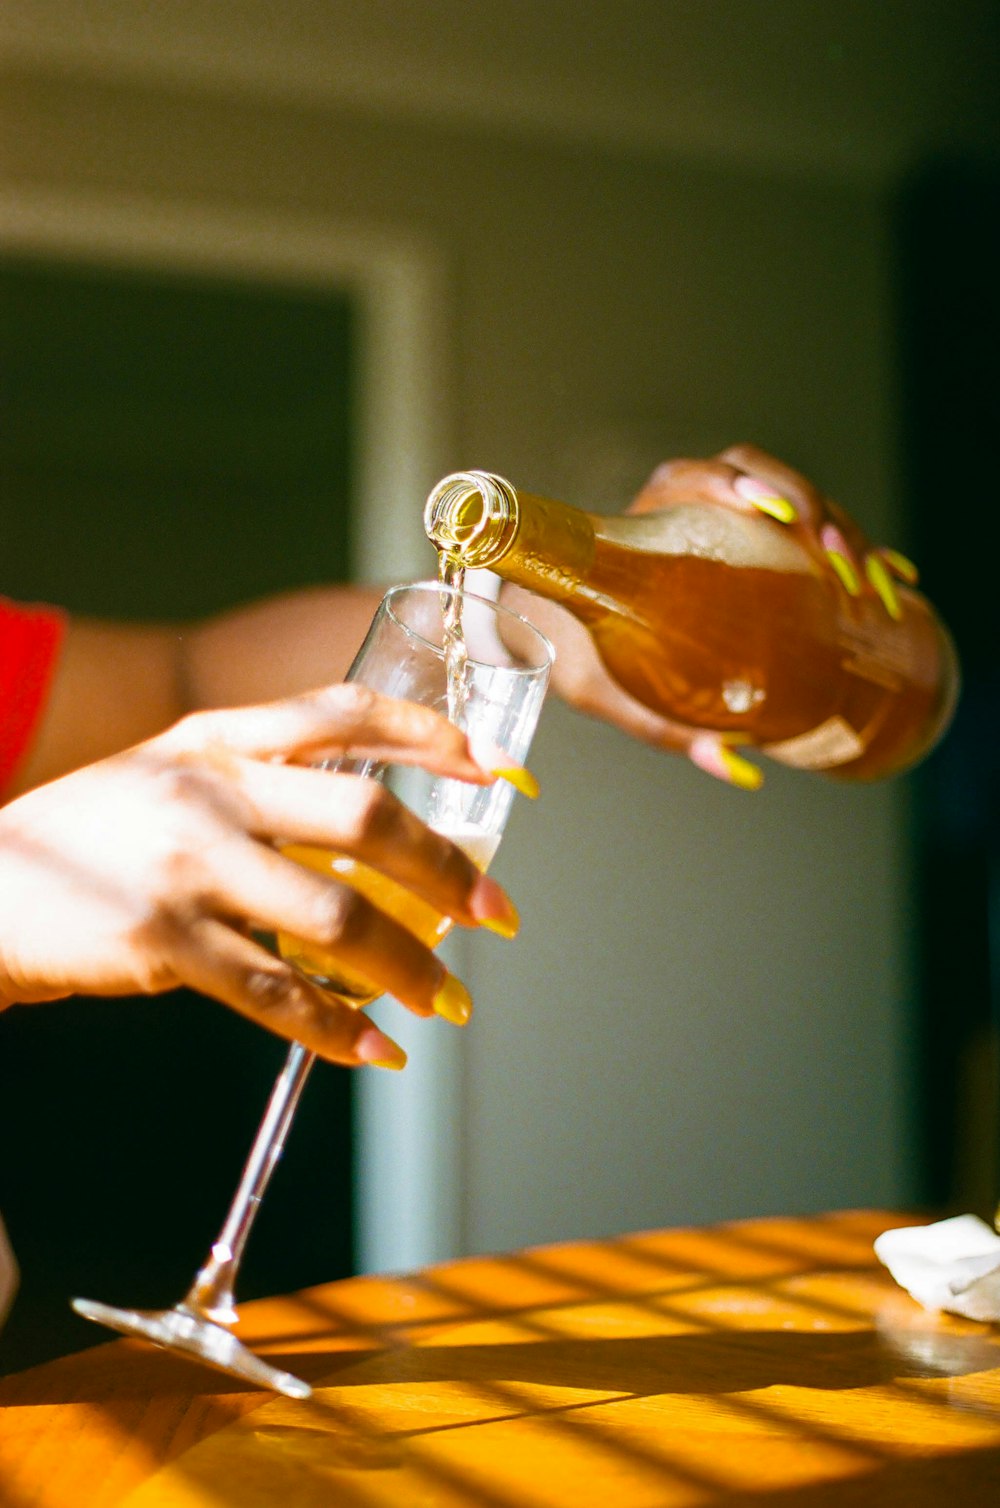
[(720, 481), (811, 504), (806, 497), (330, 723)]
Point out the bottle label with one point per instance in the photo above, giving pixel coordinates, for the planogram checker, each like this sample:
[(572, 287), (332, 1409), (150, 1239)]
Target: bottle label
[(833, 742)]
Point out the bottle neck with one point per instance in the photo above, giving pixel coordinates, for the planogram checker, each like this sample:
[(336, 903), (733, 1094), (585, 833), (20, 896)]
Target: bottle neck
[(477, 519)]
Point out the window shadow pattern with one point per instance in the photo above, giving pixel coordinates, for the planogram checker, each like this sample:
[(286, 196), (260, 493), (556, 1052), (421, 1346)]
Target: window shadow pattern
[(727, 1366)]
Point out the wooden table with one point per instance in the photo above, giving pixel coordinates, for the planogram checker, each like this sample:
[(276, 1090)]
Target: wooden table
[(769, 1362)]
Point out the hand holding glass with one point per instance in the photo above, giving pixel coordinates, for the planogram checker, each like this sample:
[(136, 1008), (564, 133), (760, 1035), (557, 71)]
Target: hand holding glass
[(496, 703)]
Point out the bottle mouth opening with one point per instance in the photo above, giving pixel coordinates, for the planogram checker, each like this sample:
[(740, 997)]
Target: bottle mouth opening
[(470, 516)]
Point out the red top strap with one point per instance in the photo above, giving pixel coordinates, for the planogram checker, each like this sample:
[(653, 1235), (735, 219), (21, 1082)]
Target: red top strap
[(30, 637)]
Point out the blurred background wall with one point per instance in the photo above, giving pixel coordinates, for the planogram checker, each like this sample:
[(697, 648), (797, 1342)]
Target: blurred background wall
[(639, 230)]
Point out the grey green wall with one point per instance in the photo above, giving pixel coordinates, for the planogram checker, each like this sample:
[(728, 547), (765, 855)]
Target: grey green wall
[(708, 1012)]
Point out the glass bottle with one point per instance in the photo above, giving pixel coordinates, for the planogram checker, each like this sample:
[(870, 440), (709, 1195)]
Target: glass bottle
[(722, 620)]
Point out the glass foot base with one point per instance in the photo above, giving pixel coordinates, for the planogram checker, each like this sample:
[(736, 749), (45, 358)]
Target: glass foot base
[(181, 1329)]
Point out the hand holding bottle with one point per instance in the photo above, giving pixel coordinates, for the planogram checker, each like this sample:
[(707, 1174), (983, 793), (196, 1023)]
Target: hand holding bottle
[(731, 606), (748, 479)]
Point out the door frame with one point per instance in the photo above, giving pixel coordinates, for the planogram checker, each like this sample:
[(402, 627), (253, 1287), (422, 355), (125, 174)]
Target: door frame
[(407, 1157)]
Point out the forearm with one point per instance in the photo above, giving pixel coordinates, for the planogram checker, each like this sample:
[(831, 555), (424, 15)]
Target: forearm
[(116, 684), (113, 685), (276, 647)]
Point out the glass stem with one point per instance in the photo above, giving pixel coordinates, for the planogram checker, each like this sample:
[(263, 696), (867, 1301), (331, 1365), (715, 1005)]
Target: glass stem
[(212, 1292)]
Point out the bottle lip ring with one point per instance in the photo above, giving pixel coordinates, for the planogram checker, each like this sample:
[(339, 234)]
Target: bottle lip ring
[(540, 665), (485, 537)]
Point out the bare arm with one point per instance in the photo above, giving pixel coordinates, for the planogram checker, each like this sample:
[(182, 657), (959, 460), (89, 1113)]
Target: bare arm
[(117, 684), (277, 647)]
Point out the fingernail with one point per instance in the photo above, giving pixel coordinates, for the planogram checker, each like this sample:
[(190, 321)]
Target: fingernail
[(883, 584), (453, 1001), (740, 771), (838, 552), (845, 571), (719, 758), (493, 908), (521, 779), (766, 499), (902, 565), (379, 1051)]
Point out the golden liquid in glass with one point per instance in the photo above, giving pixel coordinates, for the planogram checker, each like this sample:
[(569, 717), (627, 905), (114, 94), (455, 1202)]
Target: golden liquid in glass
[(418, 916)]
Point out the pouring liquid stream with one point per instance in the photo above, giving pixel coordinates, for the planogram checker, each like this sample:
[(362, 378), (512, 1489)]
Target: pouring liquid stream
[(452, 575), (417, 915)]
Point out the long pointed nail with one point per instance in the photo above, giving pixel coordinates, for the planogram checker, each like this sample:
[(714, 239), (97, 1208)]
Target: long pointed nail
[(766, 499), (717, 758), (740, 771), (379, 1051), (902, 565), (846, 574), (521, 779), (493, 908), (883, 584), (838, 552), (453, 1001)]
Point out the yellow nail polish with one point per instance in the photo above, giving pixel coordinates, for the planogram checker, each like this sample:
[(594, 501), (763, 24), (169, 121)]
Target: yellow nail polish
[(902, 565), (379, 1051), (740, 771), (521, 779), (504, 926), (776, 507), (492, 907), (453, 1001), (882, 582), (397, 1061), (844, 568)]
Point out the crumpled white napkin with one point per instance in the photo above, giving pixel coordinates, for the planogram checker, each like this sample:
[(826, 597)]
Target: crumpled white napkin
[(953, 1264)]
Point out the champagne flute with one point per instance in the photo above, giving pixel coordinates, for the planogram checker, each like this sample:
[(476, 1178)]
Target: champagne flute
[(488, 669)]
